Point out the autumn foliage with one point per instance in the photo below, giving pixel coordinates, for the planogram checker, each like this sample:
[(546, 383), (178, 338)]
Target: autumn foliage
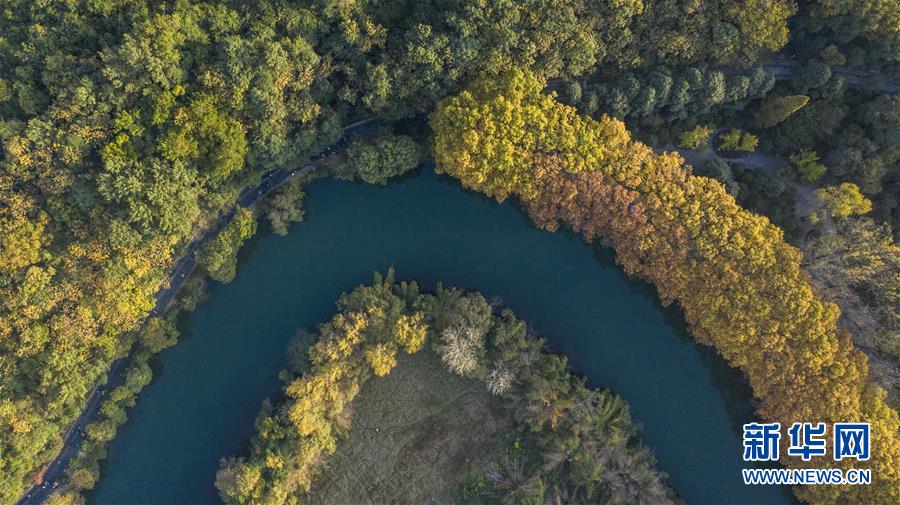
[(739, 284)]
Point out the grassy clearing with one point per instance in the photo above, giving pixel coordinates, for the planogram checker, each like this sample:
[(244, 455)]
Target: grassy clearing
[(416, 433)]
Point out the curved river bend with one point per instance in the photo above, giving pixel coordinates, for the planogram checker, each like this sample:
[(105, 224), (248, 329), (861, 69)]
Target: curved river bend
[(209, 387)]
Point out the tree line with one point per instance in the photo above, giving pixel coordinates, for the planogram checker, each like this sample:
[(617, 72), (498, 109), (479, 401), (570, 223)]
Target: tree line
[(739, 284), (127, 126), (581, 442)]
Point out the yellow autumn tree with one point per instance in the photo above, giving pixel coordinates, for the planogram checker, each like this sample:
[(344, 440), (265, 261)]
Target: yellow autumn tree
[(740, 285)]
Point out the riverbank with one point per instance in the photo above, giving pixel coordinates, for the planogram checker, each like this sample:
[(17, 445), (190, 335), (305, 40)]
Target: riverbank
[(856, 316), (207, 390), (178, 276), (506, 421)]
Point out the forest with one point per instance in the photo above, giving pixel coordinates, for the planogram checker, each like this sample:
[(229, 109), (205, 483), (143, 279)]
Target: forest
[(741, 287), (129, 127), (578, 444)]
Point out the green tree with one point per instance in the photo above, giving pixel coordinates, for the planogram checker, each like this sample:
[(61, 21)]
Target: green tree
[(206, 134), (237, 481), (737, 140), (693, 139), (71, 497), (763, 24), (833, 56), (101, 431), (748, 143), (158, 334), (810, 76), (137, 376), (776, 109), (219, 255), (806, 165), (285, 207), (721, 171), (377, 161)]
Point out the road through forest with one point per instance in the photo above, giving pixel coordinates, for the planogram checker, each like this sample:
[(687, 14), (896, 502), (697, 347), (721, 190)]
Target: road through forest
[(184, 266), (181, 270)]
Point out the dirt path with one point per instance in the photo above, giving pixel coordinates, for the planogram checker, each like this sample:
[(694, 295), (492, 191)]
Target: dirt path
[(805, 195), (855, 315)]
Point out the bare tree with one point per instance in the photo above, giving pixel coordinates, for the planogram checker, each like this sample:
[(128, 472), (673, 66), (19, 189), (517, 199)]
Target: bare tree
[(460, 348)]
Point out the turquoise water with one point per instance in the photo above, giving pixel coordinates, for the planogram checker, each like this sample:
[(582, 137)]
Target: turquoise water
[(208, 388)]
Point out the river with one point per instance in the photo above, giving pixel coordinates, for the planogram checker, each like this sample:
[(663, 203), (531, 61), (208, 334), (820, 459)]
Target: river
[(208, 388)]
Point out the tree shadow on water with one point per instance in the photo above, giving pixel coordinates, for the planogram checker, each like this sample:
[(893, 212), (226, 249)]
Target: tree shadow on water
[(727, 380)]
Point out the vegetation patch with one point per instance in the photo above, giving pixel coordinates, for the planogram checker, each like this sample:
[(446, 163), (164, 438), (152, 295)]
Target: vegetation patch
[(740, 285), (127, 127), (416, 433), (474, 412)]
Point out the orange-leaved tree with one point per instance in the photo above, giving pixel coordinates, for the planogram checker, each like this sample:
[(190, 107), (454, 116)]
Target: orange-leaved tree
[(740, 285)]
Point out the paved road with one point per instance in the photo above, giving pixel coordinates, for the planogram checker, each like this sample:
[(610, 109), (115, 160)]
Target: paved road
[(181, 270), (781, 70), (756, 159)]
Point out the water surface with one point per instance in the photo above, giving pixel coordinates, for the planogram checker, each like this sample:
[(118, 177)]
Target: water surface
[(208, 388)]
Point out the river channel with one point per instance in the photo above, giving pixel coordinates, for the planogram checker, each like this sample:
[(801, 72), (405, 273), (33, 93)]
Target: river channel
[(208, 388)]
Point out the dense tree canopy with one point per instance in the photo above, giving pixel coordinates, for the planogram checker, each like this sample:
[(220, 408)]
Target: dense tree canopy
[(718, 31), (126, 127), (740, 286)]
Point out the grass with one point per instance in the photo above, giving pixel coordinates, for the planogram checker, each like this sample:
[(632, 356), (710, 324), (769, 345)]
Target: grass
[(416, 434)]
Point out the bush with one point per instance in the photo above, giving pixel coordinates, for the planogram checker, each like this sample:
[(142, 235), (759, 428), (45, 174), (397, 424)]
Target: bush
[(377, 161)]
